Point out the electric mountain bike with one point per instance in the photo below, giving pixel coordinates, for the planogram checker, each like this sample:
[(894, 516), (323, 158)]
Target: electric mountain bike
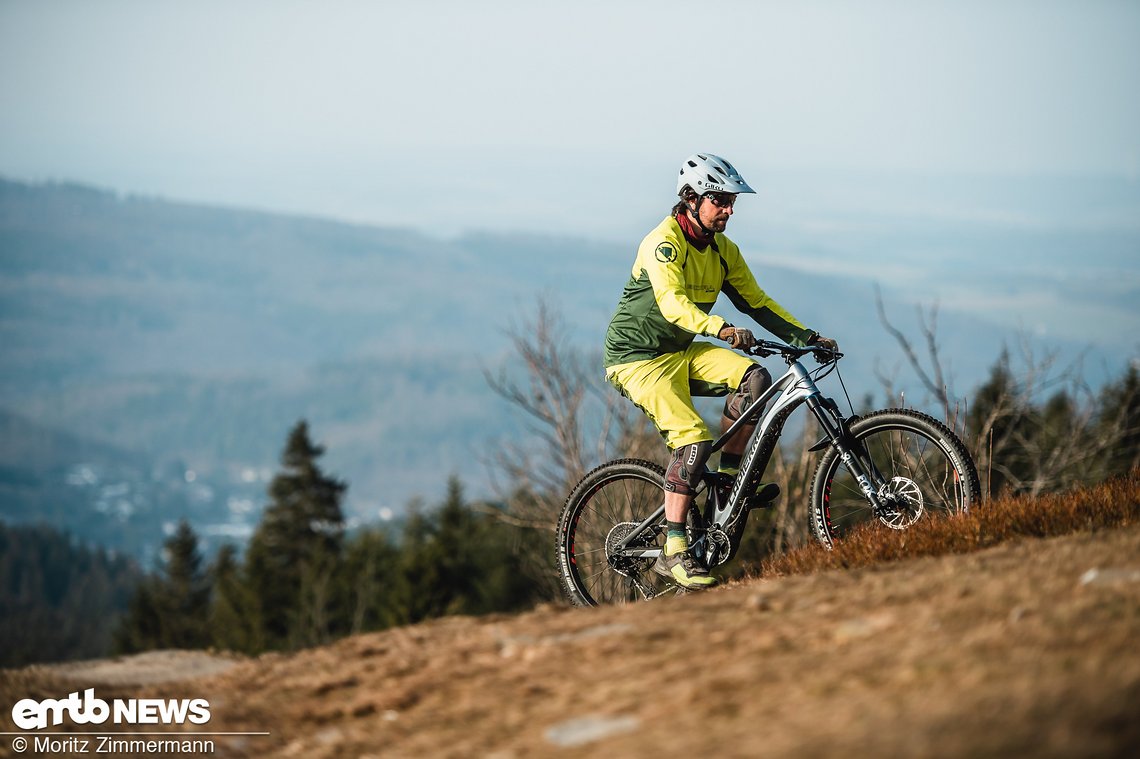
[(893, 467)]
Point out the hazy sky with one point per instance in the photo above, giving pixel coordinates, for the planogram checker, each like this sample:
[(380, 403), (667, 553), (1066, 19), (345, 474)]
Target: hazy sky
[(371, 109), (573, 118)]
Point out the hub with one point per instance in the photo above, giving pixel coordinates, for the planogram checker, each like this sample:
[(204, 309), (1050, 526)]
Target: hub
[(902, 503), (625, 565)]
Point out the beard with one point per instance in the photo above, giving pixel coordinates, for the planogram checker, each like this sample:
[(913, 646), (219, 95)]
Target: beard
[(718, 224)]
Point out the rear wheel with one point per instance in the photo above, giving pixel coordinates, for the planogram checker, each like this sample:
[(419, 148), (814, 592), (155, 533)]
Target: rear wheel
[(605, 508), (918, 467)]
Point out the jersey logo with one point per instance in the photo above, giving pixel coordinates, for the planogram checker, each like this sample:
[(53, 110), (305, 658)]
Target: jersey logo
[(666, 253)]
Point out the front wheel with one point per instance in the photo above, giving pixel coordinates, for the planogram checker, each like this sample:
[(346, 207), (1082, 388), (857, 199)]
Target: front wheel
[(917, 467)]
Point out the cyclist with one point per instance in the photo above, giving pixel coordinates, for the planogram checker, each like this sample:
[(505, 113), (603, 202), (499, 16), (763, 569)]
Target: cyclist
[(650, 355)]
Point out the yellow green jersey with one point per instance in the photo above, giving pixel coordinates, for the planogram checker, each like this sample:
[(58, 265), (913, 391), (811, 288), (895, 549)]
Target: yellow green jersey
[(671, 292)]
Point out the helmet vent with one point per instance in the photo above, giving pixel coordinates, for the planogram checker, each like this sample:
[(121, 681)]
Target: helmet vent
[(704, 172)]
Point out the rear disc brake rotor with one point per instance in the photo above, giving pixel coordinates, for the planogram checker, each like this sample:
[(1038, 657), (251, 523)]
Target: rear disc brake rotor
[(624, 565)]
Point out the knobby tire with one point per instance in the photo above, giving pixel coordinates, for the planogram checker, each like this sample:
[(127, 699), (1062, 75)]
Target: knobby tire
[(927, 468), (622, 492)]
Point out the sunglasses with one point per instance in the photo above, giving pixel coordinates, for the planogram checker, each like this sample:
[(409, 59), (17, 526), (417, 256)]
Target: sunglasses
[(721, 199)]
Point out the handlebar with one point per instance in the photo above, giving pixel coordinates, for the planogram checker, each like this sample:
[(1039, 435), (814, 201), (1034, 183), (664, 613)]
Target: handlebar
[(764, 348)]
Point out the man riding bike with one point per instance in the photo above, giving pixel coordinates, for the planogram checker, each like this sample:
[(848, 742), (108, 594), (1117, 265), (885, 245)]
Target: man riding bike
[(650, 355)]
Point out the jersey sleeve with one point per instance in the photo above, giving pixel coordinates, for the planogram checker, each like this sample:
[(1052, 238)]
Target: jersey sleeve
[(741, 288), (662, 259)]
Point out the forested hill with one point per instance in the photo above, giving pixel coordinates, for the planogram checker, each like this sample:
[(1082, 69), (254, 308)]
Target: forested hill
[(192, 339), (59, 599)]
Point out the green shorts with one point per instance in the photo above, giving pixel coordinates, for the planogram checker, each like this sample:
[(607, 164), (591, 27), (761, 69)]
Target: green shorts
[(664, 387)]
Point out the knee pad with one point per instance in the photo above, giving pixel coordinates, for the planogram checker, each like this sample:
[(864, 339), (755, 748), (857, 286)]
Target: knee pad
[(686, 466), (752, 385)]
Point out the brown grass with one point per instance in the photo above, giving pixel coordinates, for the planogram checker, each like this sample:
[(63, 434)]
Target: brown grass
[(1115, 503)]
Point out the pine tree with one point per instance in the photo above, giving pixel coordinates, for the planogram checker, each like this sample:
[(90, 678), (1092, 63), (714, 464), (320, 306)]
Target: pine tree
[(455, 560), (296, 548), (456, 545), (186, 591), (141, 627), (996, 424), (502, 581), (59, 600), (234, 621), (368, 581), (170, 609), (417, 593), (1120, 421)]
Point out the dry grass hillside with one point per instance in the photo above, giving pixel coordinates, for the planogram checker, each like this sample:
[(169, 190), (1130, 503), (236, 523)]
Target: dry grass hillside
[(1017, 641)]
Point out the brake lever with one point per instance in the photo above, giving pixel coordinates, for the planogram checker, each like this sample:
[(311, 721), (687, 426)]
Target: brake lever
[(826, 355), (760, 352)]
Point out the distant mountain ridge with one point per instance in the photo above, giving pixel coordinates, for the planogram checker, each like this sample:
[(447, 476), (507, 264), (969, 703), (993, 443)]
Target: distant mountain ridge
[(195, 337)]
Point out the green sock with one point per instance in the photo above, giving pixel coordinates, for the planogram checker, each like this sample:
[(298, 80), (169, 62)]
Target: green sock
[(676, 540)]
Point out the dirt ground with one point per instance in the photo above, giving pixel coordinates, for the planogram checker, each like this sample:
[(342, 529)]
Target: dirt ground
[(142, 669), (1027, 649)]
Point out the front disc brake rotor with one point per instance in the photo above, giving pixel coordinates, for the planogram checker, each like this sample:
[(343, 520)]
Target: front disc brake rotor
[(902, 502)]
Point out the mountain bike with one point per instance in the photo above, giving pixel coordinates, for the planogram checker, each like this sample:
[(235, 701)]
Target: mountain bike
[(893, 467)]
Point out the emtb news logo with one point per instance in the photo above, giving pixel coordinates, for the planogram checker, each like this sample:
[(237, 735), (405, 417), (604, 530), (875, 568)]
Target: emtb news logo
[(29, 714)]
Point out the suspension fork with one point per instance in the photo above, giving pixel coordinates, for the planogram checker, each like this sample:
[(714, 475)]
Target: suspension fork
[(851, 451)]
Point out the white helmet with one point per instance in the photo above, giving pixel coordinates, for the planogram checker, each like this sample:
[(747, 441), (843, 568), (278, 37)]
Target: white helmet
[(705, 172)]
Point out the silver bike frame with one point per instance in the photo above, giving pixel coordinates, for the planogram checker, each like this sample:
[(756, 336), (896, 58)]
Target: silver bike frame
[(794, 387)]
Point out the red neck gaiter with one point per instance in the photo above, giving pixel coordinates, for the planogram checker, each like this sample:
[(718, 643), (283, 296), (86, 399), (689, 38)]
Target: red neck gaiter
[(692, 233)]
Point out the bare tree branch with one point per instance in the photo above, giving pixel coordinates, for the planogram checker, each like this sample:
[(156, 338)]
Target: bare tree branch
[(574, 421), (1037, 433), (928, 325)]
